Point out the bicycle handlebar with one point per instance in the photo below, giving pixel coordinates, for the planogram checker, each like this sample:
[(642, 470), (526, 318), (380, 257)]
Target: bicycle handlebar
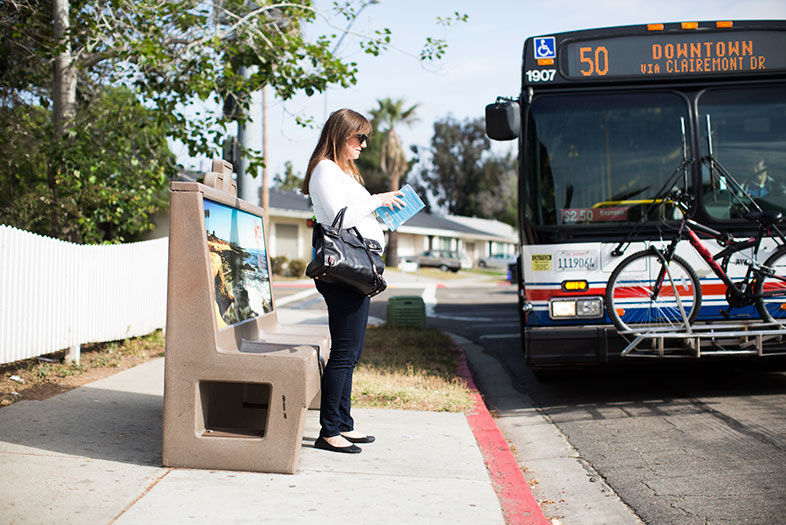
[(677, 195)]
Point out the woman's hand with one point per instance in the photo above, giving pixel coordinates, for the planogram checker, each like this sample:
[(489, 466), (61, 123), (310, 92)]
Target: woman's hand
[(392, 199)]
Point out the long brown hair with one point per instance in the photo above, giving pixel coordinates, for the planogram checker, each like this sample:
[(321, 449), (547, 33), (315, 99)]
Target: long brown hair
[(338, 129)]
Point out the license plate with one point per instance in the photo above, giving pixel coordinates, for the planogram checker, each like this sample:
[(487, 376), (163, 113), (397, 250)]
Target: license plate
[(576, 260)]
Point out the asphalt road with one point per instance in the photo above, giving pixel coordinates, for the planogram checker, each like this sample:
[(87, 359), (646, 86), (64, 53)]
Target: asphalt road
[(663, 443), (677, 442)]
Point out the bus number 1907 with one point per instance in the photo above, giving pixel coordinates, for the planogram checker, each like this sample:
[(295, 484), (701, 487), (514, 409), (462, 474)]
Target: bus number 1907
[(538, 75)]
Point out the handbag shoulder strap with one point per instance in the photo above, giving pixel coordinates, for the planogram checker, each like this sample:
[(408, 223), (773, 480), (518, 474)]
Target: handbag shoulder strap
[(339, 220)]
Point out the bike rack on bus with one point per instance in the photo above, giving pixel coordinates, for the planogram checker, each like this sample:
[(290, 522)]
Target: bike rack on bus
[(748, 338), (707, 339)]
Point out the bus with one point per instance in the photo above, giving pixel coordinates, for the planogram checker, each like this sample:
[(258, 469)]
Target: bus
[(607, 117)]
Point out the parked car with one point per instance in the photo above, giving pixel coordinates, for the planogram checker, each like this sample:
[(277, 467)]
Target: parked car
[(442, 259), (498, 260)]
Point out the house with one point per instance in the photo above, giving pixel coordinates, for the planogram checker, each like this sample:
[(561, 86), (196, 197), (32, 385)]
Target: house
[(290, 234), (495, 228)]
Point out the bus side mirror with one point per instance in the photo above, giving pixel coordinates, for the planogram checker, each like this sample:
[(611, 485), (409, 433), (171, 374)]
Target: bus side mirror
[(503, 120)]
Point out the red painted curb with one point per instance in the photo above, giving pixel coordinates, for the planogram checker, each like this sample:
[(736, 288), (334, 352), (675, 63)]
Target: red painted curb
[(517, 501)]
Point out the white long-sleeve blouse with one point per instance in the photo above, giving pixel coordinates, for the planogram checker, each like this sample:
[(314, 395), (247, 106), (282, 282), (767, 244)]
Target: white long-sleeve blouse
[(332, 189)]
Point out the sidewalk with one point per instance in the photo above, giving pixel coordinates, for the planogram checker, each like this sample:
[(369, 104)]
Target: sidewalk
[(93, 455)]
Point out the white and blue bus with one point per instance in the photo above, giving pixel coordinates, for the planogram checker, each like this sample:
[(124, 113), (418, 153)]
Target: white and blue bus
[(604, 118)]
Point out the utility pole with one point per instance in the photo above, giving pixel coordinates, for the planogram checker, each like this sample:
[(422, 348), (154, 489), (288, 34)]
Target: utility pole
[(249, 135), (264, 191)]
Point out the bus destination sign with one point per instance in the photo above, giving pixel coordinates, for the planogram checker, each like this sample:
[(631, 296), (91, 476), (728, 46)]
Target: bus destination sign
[(668, 55)]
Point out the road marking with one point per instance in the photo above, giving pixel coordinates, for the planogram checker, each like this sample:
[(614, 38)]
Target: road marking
[(296, 297), (461, 318), (501, 336), (429, 296)]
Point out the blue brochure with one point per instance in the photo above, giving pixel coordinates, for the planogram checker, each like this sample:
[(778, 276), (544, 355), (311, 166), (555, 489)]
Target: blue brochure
[(398, 216)]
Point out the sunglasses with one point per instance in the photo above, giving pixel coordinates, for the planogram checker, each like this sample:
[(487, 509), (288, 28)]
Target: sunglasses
[(362, 137)]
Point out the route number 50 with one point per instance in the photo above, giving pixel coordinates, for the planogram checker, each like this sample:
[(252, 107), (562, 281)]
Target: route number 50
[(596, 60)]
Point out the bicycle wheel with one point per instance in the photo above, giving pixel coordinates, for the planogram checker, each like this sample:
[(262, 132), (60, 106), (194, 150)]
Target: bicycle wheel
[(629, 298), (770, 290)]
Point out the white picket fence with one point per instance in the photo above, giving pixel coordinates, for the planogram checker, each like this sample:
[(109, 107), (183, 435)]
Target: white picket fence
[(56, 295)]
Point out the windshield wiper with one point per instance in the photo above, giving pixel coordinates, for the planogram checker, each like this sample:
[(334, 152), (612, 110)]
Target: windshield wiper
[(656, 201), (628, 194), (714, 165)]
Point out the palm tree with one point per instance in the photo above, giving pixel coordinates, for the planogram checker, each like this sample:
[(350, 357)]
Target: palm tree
[(393, 161)]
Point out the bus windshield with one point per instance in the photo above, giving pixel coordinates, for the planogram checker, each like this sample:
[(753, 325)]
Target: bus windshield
[(749, 140), (601, 158)]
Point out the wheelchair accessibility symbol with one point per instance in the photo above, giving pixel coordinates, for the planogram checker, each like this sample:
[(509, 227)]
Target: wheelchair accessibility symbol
[(545, 47)]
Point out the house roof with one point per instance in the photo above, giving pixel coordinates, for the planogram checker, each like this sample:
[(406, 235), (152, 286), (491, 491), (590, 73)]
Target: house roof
[(439, 222), (289, 200), (495, 227)]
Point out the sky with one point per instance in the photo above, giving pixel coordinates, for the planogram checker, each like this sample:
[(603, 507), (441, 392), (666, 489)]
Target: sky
[(482, 61)]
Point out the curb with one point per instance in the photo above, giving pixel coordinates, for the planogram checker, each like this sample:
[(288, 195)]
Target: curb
[(518, 503)]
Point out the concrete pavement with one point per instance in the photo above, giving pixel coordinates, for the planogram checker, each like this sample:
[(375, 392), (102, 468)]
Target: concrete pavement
[(93, 455)]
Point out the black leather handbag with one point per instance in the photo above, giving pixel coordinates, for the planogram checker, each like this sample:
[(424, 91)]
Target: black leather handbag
[(343, 256)]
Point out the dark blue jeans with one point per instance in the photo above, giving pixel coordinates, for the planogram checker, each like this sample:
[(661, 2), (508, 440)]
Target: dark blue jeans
[(347, 317)]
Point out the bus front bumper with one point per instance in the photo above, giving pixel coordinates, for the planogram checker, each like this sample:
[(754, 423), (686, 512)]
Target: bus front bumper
[(570, 345)]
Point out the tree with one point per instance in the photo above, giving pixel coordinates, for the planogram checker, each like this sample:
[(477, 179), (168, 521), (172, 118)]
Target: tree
[(170, 54), (117, 171), (177, 51), (465, 177), (376, 179), (369, 162), (393, 161), (289, 180), (25, 36)]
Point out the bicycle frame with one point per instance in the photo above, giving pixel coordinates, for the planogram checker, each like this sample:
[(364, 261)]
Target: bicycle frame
[(687, 230)]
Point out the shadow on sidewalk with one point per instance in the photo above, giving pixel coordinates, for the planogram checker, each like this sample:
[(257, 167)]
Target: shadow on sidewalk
[(88, 422)]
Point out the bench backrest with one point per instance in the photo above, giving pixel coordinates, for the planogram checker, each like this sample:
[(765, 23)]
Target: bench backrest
[(218, 245)]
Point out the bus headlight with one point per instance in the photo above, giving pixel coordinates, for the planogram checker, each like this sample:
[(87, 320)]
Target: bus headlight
[(592, 307), (579, 307)]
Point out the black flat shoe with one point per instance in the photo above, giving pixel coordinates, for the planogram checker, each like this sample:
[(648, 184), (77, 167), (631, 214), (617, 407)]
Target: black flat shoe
[(324, 445), (364, 439)]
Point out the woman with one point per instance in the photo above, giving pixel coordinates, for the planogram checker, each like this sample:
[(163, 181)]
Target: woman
[(333, 182)]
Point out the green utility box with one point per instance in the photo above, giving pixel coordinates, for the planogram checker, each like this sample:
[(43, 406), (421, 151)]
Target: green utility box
[(407, 310)]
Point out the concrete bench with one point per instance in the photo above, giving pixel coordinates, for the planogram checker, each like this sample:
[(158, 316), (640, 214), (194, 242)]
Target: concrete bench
[(238, 382)]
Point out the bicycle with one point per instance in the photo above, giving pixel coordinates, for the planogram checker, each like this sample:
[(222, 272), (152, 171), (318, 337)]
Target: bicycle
[(656, 288)]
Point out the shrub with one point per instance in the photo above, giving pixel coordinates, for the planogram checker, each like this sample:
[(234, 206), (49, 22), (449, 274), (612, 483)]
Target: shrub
[(297, 268), (278, 264)]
